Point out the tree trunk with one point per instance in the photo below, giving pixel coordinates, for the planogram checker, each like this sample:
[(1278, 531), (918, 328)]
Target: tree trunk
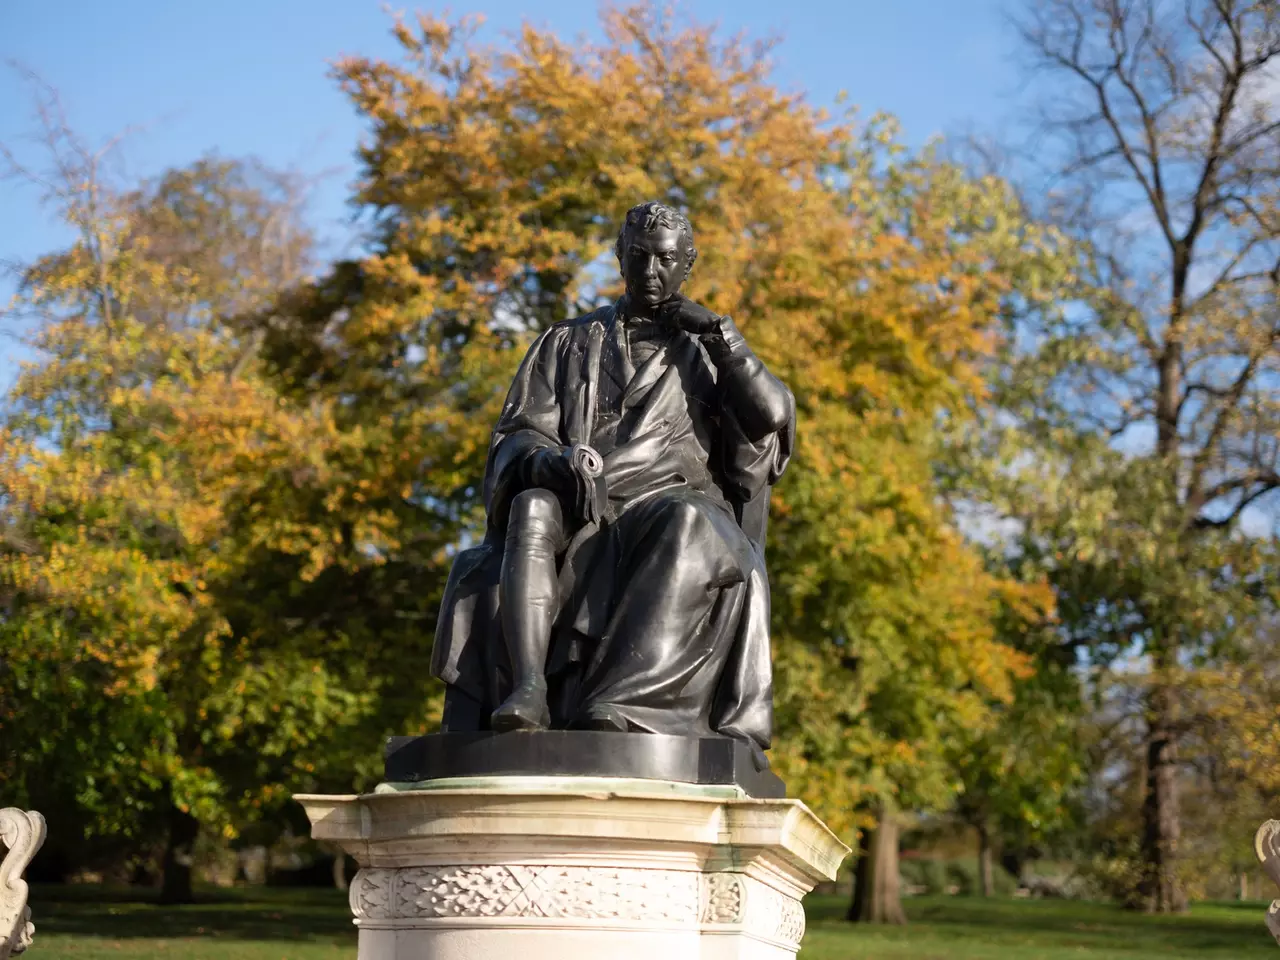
[(1160, 890), (882, 901), (984, 861), (1244, 885), (340, 870), (178, 854), (860, 876)]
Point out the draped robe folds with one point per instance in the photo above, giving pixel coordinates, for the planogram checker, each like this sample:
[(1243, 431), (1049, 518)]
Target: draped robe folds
[(663, 605)]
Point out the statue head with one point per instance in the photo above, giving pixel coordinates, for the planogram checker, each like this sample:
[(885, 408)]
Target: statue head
[(655, 252)]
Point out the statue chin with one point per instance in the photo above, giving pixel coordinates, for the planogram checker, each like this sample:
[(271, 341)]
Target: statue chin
[(651, 298)]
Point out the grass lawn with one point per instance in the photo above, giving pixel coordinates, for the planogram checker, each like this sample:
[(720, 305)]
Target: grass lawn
[(963, 928), (87, 923), (90, 923)]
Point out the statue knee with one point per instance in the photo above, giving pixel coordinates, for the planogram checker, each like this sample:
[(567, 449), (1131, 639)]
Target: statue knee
[(536, 512), (683, 515)]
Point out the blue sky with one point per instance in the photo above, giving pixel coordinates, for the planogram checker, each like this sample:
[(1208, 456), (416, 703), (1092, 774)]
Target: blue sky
[(250, 77)]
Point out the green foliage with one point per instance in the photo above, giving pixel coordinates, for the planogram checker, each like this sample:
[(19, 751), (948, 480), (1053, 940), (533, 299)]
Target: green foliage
[(964, 876), (959, 876), (1021, 777), (1143, 416), (126, 453), (928, 874)]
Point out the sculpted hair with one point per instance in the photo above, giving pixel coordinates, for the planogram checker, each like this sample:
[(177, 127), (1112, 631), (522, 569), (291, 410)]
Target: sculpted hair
[(649, 216)]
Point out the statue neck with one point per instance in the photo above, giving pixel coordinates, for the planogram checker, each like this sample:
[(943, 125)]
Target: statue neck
[(633, 308)]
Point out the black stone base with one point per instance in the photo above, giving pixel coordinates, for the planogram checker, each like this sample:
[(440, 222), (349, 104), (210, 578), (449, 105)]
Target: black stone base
[(581, 753)]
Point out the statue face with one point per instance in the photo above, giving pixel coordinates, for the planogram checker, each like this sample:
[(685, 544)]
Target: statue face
[(654, 265)]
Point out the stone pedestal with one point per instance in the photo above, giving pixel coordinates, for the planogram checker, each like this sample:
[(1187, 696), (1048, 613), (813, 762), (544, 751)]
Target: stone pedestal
[(560, 868)]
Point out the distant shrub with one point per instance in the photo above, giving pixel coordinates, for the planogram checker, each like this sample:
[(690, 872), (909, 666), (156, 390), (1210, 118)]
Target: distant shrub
[(958, 876), (1108, 878), (926, 876), (962, 876), (1006, 883)]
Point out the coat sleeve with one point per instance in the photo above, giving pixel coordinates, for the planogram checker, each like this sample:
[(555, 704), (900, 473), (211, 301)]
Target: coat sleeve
[(757, 416)]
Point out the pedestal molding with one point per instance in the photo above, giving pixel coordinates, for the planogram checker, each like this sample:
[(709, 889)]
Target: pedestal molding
[(617, 898)]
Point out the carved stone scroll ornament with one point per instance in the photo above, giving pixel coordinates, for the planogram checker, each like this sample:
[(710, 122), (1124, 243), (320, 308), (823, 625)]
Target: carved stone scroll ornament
[(575, 893), (1267, 846), (23, 833)]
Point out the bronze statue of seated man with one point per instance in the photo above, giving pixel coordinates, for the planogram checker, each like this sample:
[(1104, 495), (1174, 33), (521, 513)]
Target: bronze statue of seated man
[(621, 581)]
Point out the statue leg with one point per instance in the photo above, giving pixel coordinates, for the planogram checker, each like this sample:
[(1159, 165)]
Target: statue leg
[(528, 601), (673, 624)]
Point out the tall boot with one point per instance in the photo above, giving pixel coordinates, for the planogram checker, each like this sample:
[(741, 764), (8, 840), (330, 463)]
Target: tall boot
[(528, 594)]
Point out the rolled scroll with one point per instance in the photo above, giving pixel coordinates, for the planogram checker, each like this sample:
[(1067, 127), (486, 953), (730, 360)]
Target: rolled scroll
[(593, 494), (586, 460)]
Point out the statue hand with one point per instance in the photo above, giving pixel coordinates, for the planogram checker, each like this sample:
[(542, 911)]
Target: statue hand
[(593, 490), (582, 490), (688, 316), (552, 469)]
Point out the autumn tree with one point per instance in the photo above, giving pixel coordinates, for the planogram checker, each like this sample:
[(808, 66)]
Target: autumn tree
[(1231, 711), (128, 684), (870, 279), (1162, 133), (1240, 705), (1019, 776)]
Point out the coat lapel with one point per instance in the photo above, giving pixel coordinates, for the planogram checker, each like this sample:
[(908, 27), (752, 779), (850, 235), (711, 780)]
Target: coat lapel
[(591, 380), (645, 377), (615, 355)]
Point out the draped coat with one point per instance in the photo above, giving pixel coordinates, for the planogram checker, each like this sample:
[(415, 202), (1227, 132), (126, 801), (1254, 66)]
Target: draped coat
[(664, 603)]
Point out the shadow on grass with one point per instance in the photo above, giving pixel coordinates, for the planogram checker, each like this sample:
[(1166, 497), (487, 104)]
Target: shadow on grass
[(261, 914), (1221, 928)]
